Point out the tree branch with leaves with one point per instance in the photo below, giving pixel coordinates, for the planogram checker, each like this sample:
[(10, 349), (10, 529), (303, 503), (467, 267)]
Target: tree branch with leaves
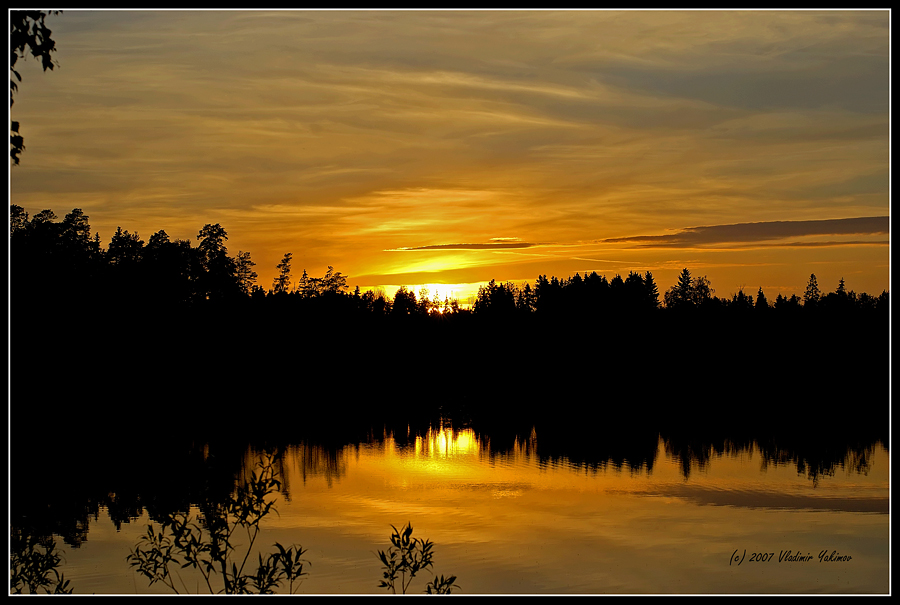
[(28, 33), (208, 545), (407, 557)]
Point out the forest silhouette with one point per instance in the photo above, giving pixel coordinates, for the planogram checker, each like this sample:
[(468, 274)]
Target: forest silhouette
[(167, 324), (169, 350)]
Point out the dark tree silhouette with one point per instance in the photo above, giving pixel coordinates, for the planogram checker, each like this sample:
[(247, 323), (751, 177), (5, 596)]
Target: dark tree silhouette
[(761, 302), (681, 295), (246, 276), (812, 294), (597, 292), (78, 252), (423, 301), (28, 33), (702, 290), (741, 301), (18, 220), (404, 302), (652, 292), (331, 283), (496, 299), (212, 243), (783, 303), (126, 276), (282, 283), (76, 231), (51, 259), (526, 300), (170, 269), (839, 300), (217, 281), (374, 304), (304, 287), (125, 250)]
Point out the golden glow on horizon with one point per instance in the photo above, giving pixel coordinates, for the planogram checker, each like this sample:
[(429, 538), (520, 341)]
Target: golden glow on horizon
[(464, 294), (371, 134)]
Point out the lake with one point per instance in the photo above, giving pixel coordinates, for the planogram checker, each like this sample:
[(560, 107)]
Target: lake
[(512, 513)]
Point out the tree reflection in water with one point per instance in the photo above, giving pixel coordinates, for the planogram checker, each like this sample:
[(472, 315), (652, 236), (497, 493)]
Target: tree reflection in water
[(208, 468)]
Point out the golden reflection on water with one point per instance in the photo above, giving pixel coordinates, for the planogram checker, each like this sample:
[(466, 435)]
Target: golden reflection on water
[(443, 443), (510, 522), (447, 443)]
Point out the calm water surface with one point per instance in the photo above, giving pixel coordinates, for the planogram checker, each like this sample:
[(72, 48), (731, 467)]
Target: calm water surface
[(510, 522)]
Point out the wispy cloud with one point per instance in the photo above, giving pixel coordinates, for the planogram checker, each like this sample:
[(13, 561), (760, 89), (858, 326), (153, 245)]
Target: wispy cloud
[(762, 232)]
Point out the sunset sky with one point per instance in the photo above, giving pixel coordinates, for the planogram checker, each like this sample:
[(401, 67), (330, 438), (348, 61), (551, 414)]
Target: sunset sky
[(455, 147)]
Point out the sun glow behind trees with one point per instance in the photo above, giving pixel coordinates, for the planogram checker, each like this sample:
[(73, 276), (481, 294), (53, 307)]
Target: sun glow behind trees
[(174, 272), (438, 294), (406, 157)]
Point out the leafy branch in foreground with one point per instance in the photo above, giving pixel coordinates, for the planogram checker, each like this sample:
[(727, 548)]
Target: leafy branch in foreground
[(33, 563), (210, 546), (407, 557)]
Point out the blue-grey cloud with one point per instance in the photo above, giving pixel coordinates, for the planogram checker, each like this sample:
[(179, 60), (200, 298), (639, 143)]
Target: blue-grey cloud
[(858, 84), (761, 232)]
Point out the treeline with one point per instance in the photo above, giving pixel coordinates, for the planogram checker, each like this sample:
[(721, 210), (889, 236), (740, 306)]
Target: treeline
[(63, 260), (593, 293), (182, 472), (168, 321), (55, 260)]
